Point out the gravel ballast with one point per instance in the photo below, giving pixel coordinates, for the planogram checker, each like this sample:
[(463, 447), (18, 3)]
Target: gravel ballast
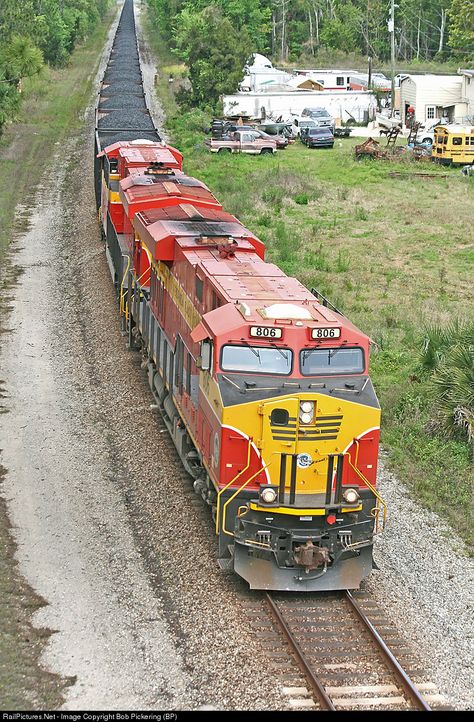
[(426, 581), (109, 531)]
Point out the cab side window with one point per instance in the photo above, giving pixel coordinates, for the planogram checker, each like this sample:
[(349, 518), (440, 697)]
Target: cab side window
[(199, 288)]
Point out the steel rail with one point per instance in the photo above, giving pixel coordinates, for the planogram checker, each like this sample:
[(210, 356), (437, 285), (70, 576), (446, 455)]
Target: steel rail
[(313, 680), (406, 683)]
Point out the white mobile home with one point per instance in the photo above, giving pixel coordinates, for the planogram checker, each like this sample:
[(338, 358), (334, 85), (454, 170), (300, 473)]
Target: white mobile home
[(330, 79), (261, 73), (343, 105), (344, 79), (431, 97)]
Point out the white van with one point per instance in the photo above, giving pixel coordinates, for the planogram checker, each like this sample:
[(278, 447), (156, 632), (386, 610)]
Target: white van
[(297, 124), (320, 116), (426, 132)]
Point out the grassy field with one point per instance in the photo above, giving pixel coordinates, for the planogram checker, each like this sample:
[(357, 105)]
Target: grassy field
[(395, 254), (53, 107)]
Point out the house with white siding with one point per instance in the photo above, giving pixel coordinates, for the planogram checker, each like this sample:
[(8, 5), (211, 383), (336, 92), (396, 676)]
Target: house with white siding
[(467, 91), (433, 96), (329, 79)]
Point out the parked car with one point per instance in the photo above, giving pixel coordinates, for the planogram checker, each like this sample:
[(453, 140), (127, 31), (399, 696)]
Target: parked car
[(241, 141), (300, 126), (228, 128), (426, 133), (320, 116), (281, 140), (319, 138), (275, 127)]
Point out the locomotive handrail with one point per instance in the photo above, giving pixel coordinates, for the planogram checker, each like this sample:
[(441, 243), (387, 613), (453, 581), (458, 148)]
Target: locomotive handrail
[(147, 270), (325, 301), (370, 486), (122, 294), (232, 481), (259, 471), (137, 280)]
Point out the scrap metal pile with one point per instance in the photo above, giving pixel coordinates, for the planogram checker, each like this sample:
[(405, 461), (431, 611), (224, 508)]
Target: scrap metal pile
[(369, 149)]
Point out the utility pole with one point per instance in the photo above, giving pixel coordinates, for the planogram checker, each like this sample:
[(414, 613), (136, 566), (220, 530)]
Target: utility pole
[(391, 30)]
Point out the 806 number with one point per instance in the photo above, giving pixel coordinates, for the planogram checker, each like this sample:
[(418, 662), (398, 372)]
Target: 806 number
[(265, 332), (326, 333)]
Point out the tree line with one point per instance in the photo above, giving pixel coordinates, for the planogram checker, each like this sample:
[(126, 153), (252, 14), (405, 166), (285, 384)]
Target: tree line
[(38, 32), (214, 39)]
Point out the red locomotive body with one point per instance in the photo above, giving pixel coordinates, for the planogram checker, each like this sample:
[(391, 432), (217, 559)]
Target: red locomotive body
[(264, 388)]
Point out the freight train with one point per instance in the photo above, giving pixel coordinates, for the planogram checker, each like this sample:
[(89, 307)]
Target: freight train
[(263, 385)]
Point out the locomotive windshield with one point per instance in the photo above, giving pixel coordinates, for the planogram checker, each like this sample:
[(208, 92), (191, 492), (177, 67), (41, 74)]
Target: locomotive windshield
[(257, 359), (325, 361)]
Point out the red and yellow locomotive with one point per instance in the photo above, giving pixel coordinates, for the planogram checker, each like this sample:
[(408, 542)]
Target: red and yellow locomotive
[(263, 386)]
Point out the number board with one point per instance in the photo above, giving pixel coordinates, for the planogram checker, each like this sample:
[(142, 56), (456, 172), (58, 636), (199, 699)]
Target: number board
[(266, 332), (326, 333)]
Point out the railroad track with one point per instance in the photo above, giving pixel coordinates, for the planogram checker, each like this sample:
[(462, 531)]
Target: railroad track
[(328, 652)]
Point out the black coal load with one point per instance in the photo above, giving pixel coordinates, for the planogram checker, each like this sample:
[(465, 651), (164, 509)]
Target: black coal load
[(122, 113)]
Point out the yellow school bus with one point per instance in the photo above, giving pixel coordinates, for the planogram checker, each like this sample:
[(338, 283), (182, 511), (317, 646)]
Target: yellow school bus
[(453, 144)]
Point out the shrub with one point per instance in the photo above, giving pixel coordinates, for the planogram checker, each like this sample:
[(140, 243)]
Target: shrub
[(301, 199)]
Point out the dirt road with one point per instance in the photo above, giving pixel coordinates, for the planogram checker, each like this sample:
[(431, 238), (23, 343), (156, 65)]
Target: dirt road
[(63, 466)]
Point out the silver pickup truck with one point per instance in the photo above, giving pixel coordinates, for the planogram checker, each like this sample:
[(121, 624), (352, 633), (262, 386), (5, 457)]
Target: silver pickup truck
[(241, 141)]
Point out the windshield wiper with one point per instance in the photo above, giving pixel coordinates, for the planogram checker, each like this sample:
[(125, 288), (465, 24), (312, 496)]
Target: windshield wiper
[(254, 350), (279, 350), (242, 391)]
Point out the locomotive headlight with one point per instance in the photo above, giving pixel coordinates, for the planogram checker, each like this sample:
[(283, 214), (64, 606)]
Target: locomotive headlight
[(350, 496), (268, 494), (306, 412)]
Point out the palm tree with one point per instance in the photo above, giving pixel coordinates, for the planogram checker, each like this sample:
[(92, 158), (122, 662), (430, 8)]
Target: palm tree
[(20, 59), (453, 385)]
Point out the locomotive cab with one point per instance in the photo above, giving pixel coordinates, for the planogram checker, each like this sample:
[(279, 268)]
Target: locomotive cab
[(296, 459)]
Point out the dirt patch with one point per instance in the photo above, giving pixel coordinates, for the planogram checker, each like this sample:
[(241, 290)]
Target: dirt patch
[(24, 684)]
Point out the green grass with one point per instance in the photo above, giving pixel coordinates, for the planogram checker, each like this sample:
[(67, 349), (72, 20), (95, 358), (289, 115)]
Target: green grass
[(393, 255), (53, 107)]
